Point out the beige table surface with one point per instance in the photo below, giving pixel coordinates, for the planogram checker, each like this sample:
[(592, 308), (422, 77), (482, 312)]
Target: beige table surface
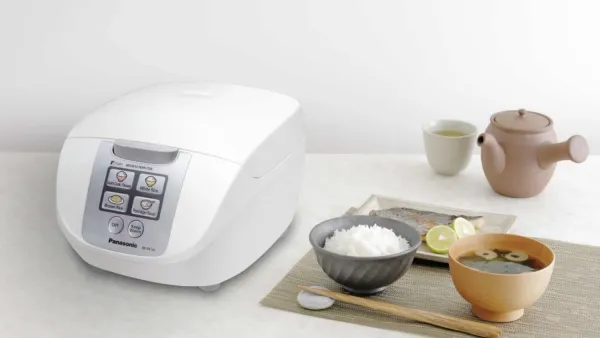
[(47, 291)]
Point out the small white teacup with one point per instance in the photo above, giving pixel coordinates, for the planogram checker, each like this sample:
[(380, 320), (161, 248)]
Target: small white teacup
[(449, 145)]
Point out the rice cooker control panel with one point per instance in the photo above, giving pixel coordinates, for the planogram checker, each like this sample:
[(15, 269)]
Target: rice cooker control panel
[(132, 197)]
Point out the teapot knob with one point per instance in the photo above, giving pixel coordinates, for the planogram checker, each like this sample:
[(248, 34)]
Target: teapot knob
[(522, 112)]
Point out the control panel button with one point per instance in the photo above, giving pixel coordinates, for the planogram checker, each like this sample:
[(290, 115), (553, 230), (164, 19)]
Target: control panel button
[(115, 224), (136, 229), (144, 206), (114, 201), (118, 178), (152, 184)]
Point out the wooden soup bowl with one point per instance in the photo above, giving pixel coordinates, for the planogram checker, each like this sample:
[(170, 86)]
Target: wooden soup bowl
[(500, 297)]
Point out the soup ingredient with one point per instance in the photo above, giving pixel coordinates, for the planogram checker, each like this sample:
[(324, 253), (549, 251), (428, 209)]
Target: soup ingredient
[(450, 133), (366, 241), (462, 227), (440, 238), (486, 254), (423, 220), (516, 256), (501, 264), (312, 301)]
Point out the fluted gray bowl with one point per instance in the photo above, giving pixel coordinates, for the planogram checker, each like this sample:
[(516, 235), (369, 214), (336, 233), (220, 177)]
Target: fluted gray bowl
[(364, 275)]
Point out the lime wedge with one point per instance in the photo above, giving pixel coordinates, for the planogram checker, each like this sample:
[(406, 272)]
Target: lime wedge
[(478, 223), (462, 227), (440, 238)]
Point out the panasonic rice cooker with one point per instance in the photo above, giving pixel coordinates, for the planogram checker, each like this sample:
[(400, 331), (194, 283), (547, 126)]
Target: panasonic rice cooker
[(183, 184)]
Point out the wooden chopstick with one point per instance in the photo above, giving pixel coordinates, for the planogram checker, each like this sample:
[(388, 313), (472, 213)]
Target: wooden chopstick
[(437, 319)]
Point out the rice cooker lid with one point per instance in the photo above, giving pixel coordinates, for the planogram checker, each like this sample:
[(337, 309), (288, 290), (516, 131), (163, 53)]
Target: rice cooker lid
[(224, 121)]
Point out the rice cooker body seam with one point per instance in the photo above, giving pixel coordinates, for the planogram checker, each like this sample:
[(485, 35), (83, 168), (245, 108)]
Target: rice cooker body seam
[(192, 204)]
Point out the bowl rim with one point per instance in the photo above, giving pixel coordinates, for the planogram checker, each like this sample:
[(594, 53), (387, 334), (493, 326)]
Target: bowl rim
[(318, 248), (504, 275)]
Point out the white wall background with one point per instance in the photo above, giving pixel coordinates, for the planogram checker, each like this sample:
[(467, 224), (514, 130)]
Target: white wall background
[(368, 73)]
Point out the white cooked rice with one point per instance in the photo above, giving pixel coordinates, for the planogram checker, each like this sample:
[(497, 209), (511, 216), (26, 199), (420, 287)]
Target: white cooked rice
[(366, 241)]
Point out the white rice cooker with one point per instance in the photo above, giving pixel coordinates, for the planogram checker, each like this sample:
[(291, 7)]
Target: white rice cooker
[(184, 184)]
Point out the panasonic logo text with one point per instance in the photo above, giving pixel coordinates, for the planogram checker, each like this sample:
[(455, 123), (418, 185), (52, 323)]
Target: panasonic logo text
[(129, 244)]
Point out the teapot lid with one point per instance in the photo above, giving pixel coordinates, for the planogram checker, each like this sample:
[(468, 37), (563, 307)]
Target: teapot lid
[(522, 121)]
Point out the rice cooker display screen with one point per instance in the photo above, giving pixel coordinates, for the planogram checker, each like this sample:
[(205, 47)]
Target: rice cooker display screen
[(132, 192)]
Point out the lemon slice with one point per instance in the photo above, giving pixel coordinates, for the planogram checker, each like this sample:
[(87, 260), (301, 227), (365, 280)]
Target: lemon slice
[(440, 238), (463, 228)]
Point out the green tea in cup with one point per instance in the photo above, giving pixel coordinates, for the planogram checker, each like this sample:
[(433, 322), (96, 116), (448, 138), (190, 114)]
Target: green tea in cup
[(450, 133), (449, 145)]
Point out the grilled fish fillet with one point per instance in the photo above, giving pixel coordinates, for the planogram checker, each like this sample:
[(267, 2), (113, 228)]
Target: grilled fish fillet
[(424, 220)]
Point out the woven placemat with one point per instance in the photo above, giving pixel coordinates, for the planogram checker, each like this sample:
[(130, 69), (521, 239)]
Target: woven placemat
[(570, 307)]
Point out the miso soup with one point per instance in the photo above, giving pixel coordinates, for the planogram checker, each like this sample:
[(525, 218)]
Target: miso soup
[(501, 261)]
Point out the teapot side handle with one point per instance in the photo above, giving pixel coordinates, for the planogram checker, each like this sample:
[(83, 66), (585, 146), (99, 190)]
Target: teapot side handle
[(574, 149)]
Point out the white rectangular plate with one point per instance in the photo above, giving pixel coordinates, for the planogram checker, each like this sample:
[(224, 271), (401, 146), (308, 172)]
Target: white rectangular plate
[(493, 223)]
